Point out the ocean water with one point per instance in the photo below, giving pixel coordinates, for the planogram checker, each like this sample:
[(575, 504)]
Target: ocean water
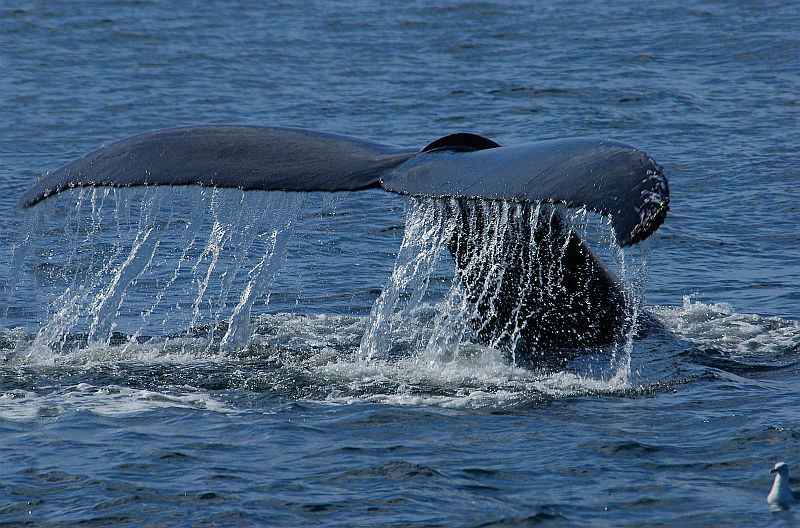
[(135, 389)]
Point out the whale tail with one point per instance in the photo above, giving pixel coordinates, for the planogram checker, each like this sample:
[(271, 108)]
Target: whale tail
[(608, 177), (582, 305)]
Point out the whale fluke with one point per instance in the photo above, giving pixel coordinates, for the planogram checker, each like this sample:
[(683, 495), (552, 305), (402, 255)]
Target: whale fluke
[(242, 157), (552, 291), (608, 177)]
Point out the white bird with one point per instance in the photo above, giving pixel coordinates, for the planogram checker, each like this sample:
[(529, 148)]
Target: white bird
[(781, 494)]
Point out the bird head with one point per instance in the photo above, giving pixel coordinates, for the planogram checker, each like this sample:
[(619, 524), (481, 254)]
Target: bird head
[(780, 468)]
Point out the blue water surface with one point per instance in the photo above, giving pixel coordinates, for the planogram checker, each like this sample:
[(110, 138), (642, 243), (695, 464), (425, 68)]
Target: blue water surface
[(136, 416)]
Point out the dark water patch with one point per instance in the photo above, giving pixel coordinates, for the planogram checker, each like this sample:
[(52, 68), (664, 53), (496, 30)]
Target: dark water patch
[(533, 91), (394, 470), (211, 496), (527, 110), (628, 448), (631, 99), (318, 508), (781, 434), (718, 359), (539, 519), (110, 520), (19, 510), (642, 57), (10, 13), (58, 477), (118, 502), (174, 457), (376, 417), (482, 473), (374, 450), (137, 468)]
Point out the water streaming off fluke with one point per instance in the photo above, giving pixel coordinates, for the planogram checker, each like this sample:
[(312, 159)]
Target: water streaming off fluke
[(162, 267), (142, 266), (509, 285)]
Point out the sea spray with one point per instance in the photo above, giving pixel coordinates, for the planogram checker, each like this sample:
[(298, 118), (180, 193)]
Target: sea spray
[(141, 247), (281, 213), (189, 266), (438, 330), (427, 231), (633, 275)]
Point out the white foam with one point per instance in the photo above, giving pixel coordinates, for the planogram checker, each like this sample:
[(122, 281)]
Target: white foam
[(325, 348), (111, 400), (481, 378), (179, 350), (717, 324)]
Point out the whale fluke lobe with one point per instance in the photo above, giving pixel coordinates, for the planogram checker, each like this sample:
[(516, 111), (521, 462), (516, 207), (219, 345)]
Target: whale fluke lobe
[(243, 157), (607, 177)]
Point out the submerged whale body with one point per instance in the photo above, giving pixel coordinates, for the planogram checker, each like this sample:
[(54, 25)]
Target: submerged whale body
[(515, 293)]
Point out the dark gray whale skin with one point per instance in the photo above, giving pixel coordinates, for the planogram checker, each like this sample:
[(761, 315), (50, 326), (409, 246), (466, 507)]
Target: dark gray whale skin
[(608, 177), (548, 291)]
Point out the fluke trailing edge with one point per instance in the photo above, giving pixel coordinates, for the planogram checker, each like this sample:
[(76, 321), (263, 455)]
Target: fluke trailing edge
[(585, 308)]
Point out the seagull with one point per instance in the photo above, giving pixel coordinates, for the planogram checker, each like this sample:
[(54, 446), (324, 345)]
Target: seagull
[(781, 494)]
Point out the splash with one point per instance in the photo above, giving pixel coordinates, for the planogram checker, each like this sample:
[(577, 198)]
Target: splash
[(396, 313), (226, 247), (155, 273), (109, 400), (633, 274), (513, 255), (717, 326)]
